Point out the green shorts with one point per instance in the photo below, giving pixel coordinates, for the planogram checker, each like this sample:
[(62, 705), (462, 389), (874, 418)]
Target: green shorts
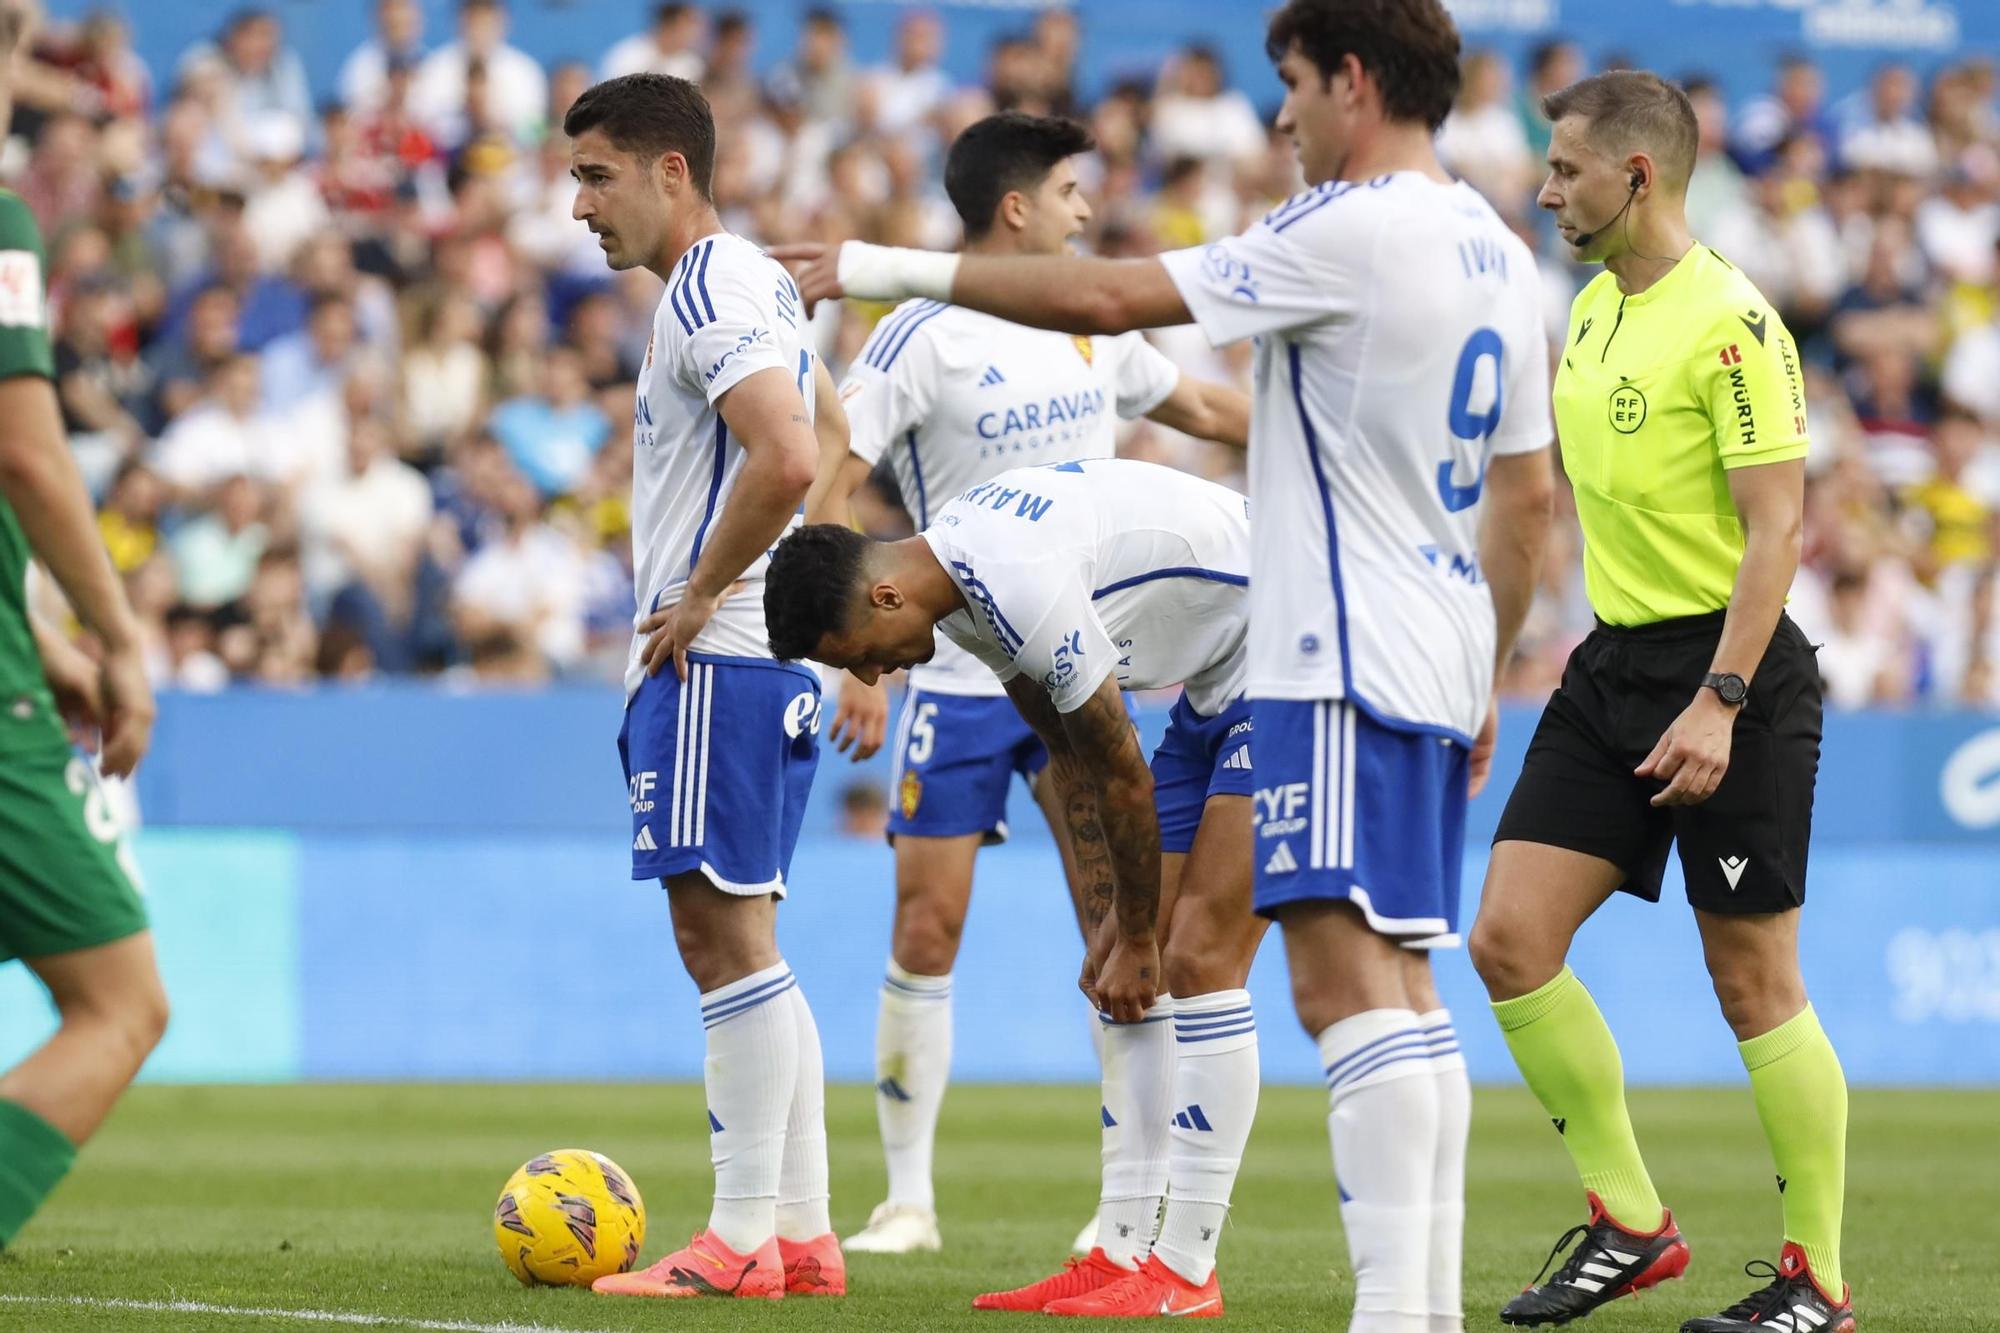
[(66, 877)]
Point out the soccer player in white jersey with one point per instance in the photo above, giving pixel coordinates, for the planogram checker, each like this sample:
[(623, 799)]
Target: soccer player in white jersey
[(720, 739), (952, 398), (1400, 476), (1069, 583)]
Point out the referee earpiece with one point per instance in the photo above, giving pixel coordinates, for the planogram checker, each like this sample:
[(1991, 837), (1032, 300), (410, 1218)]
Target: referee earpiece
[(1584, 238)]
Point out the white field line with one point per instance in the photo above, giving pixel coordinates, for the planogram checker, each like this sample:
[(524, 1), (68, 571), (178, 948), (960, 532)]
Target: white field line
[(302, 1316)]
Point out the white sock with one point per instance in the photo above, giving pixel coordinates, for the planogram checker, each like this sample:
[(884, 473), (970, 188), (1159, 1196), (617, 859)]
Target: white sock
[(802, 1187), (1214, 1101), (1454, 1092), (1383, 1120), (750, 1072), (1138, 1102), (912, 1065)]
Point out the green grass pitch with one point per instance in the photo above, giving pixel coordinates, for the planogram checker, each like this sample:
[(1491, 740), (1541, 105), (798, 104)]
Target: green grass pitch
[(373, 1204)]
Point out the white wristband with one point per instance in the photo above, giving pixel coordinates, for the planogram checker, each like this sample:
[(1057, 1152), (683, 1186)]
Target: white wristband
[(890, 273)]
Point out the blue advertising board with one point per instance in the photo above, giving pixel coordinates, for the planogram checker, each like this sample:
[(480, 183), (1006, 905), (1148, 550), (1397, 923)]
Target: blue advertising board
[(410, 883)]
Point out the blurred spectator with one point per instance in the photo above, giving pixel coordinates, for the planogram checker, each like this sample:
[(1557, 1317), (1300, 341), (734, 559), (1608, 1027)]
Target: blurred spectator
[(1793, 110), (1482, 141), (444, 375), (222, 435), (1863, 656), (1882, 132), (1882, 313), (363, 534), (216, 554), (518, 601), (552, 434), (102, 385), (729, 84), (1951, 523), (818, 78), (1552, 65), (62, 180), (1972, 372), (129, 520), (1959, 226), (1059, 41), (259, 75), (1786, 243), (314, 360), (672, 45), (864, 810), (285, 207), (911, 89), (1717, 189), (1196, 114), (513, 92), (398, 44)]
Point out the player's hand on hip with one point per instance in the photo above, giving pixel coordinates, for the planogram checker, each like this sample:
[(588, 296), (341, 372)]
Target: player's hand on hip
[(670, 630), (1129, 980), (1482, 749), (126, 712), (1693, 754), (862, 718), (815, 267)]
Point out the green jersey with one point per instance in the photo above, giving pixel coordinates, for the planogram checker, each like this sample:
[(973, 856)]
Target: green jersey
[(1659, 395), (24, 350)]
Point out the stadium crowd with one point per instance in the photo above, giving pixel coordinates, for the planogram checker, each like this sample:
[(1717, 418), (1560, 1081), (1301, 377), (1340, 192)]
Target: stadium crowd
[(352, 389)]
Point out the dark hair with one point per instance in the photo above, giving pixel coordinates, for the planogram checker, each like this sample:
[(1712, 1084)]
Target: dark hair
[(809, 587), (1001, 154), (669, 12), (1631, 109), (731, 21), (648, 115), (822, 16), (1409, 47)]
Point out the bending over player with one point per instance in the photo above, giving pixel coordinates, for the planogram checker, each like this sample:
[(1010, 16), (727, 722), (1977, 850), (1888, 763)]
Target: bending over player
[(951, 398), (1070, 583)]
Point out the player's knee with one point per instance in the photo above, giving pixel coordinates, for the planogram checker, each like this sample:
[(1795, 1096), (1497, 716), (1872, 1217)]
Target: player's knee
[(1201, 957), (926, 940), (1753, 998), (1504, 956), (124, 1024)]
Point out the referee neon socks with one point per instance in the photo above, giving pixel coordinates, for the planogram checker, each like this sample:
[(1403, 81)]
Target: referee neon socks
[(1567, 1055), (34, 1156), (1802, 1100)]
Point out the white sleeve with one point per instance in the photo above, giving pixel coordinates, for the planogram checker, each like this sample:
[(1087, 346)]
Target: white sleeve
[(1302, 265), (886, 396), (727, 312), (1143, 376), (1525, 422), (1041, 617)]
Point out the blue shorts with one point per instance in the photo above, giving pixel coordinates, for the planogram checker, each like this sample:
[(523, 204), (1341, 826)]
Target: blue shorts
[(717, 770), (955, 757), (1199, 757), (1350, 809)]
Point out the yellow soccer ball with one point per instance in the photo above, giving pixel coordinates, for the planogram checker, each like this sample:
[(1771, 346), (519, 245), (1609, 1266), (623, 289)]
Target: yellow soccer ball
[(567, 1218)]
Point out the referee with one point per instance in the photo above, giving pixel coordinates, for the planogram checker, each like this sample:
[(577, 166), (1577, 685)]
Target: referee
[(1689, 716)]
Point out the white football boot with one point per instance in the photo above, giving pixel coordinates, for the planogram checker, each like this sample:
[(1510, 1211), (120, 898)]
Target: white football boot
[(896, 1228)]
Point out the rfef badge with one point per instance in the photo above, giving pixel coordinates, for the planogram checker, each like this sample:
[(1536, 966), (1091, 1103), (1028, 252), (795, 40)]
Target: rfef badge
[(909, 794)]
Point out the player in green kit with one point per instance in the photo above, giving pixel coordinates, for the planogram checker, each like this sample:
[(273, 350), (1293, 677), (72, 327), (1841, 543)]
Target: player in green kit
[(68, 905)]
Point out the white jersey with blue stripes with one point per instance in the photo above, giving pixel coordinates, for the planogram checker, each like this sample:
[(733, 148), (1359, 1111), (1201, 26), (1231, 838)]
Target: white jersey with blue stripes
[(952, 397), (1399, 347), (728, 313), (1079, 571)]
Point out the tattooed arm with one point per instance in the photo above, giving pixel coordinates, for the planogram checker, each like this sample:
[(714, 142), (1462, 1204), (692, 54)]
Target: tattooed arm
[(1105, 790)]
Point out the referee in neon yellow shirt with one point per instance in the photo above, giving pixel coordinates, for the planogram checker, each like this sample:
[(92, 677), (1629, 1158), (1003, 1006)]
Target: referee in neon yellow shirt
[(1690, 716)]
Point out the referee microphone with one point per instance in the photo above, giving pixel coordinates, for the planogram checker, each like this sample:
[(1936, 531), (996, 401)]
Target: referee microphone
[(1584, 238)]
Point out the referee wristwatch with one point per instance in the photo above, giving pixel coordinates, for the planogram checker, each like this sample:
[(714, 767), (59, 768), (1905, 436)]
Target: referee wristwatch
[(1730, 687)]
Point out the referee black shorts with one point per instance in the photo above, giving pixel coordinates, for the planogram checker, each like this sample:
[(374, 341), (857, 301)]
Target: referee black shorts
[(1743, 850)]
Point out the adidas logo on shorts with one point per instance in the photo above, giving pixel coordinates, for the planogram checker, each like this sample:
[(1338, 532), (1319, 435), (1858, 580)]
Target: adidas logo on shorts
[(644, 842), (1282, 861)]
